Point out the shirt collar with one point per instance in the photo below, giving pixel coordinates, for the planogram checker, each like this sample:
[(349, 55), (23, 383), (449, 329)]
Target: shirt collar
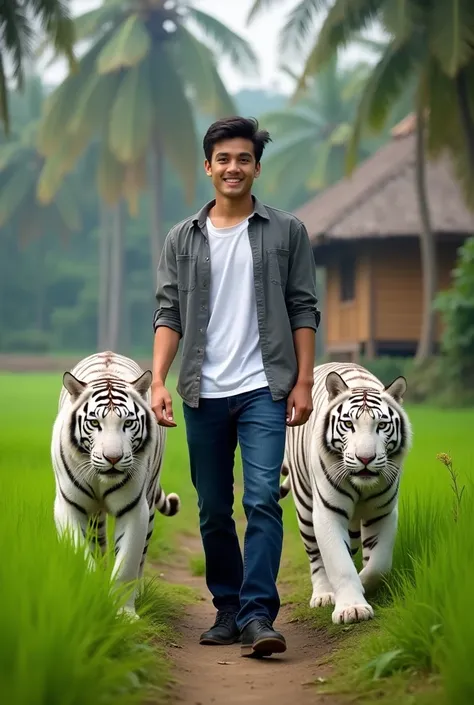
[(200, 216)]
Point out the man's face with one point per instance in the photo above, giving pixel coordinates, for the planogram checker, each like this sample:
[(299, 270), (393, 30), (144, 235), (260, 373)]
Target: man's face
[(232, 167)]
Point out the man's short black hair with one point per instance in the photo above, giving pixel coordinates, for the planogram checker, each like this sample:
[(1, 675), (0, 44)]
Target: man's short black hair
[(236, 126)]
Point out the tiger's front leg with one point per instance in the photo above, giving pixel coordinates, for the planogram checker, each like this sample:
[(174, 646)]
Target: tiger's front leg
[(72, 520), (130, 536), (332, 534), (378, 540)]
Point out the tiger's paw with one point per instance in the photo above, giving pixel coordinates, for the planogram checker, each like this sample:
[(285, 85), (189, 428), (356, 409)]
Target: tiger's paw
[(348, 614), (321, 599)]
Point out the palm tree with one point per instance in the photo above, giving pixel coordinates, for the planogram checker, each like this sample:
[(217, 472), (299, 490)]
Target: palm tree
[(20, 167), (312, 133), (18, 22), (148, 67), (430, 49)]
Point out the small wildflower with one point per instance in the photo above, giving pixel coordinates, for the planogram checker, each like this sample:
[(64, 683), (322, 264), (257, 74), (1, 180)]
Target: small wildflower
[(448, 462)]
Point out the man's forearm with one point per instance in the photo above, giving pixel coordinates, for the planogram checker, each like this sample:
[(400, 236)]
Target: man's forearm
[(165, 347), (304, 342)]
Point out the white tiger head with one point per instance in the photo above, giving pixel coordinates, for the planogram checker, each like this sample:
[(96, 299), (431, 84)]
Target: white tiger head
[(110, 421), (366, 431)]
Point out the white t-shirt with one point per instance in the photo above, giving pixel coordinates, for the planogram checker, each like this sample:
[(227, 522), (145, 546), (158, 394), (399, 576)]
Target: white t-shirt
[(232, 358)]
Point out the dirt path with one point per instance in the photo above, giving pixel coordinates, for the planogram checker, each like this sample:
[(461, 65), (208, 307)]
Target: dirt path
[(208, 675)]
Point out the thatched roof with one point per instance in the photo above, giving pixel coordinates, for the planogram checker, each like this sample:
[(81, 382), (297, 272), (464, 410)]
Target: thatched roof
[(379, 199)]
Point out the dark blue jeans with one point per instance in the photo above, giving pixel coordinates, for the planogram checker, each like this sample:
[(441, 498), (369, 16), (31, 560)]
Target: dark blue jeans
[(213, 429)]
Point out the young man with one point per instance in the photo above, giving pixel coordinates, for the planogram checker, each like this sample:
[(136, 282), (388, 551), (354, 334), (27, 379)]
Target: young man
[(236, 282)]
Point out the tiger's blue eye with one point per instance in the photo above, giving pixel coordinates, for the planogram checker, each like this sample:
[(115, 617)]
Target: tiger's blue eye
[(128, 423), (348, 424), (382, 425), (94, 423)]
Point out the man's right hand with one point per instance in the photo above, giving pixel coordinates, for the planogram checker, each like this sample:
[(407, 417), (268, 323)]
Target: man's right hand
[(162, 405)]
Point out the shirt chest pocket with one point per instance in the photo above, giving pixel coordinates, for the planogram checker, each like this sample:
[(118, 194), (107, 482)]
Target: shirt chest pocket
[(278, 265), (186, 266)]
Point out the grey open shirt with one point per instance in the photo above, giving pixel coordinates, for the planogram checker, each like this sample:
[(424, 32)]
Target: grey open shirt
[(285, 290)]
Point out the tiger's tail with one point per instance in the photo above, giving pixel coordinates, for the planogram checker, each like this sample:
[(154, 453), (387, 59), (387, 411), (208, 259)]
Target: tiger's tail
[(285, 487), (169, 505)]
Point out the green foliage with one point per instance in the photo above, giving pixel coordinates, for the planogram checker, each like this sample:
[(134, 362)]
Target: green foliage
[(420, 624), (49, 286), (137, 90), (18, 22), (312, 132), (457, 308), (62, 640)]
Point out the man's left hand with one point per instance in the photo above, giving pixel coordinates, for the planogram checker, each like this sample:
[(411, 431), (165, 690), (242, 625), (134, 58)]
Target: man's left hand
[(300, 404)]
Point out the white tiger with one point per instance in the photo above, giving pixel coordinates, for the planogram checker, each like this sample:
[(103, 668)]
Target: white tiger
[(344, 468), (107, 451)]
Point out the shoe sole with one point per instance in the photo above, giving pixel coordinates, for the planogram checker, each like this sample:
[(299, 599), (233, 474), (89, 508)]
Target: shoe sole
[(218, 642), (263, 647)]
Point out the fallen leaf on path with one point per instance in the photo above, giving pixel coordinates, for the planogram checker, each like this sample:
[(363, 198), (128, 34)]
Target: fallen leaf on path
[(175, 646), (226, 663)]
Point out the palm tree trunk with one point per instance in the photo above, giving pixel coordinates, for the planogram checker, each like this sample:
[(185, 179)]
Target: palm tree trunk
[(462, 90), (156, 208), (427, 249), (116, 278), (104, 279)]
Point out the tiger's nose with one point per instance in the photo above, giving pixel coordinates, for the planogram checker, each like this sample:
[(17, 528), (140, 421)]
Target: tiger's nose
[(365, 460), (113, 459)]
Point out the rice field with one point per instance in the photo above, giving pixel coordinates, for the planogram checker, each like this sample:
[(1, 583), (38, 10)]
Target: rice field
[(62, 644)]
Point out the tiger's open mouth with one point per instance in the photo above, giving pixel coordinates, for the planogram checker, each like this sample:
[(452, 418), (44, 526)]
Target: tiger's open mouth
[(111, 473), (365, 473)]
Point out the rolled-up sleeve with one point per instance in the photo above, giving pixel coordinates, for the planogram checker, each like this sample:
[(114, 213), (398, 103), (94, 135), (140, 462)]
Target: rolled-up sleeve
[(301, 301), (167, 297)]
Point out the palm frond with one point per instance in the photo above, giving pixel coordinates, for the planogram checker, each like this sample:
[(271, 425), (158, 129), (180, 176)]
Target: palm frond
[(57, 23), (131, 115), (129, 44), (300, 25), (17, 38), (227, 42), (451, 30), (4, 107), (60, 106), (174, 121), (385, 84), (289, 121), (92, 23), (196, 66), (344, 19), (259, 6)]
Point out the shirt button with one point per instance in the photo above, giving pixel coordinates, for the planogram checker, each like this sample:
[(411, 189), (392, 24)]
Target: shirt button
[(204, 284), (201, 330), (207, 259)]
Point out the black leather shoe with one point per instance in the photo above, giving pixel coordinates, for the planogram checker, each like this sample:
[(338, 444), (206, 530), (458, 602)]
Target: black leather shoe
[(224, 631), (259, 639)]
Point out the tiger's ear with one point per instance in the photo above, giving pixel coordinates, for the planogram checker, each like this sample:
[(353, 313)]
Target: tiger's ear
[(74, 386), (335, 385), (142, 383), (397, 388)]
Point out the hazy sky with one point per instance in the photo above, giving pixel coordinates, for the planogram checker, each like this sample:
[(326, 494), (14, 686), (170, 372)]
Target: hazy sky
[(262, 34)]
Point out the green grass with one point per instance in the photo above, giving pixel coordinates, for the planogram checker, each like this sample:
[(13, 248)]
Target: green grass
[(423, 633), (61, 640), (62, 643)]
